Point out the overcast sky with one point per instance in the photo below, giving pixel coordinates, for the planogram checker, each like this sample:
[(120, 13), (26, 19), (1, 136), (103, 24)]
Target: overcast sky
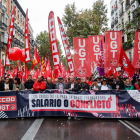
[(39, 10)]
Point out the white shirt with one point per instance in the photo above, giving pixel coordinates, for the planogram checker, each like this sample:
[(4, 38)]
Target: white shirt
[(99, 84), (72, 86), (104, 87), (6, 86)]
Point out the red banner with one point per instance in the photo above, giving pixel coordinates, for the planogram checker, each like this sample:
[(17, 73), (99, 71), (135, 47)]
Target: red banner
[(10, 37), (94, 46), (66, 47), (81, 57), (112, 48), (53, 41), (36, 58), (136, 54), (127, 66), (27, 44)]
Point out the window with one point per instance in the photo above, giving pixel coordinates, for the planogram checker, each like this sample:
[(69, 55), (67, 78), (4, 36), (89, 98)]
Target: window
[(21, 18), (127, 3), (18, 14), (123, 39), (130, 56), (129, 17)]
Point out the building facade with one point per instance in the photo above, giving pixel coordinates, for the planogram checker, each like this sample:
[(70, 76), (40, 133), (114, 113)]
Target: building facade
[(125, 13), (6, 8)]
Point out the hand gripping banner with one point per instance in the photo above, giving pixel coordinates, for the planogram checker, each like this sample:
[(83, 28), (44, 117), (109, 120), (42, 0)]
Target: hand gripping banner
[(66, 46), (53, 41), (136, 54), (81, 57), (10, 37), (27, 44), (112, 48)]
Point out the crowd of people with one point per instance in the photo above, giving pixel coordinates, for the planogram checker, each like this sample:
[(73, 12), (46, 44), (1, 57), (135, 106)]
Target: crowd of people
[(72, 83)]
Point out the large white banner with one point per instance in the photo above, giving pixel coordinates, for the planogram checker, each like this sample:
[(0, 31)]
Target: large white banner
[(79, 103)]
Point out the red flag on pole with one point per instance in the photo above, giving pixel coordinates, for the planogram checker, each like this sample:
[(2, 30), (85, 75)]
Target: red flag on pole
[(36, 58), (81, 57), (66, 47), (126, 64), (27, 44), (136, 54), (10, 37), (112, 48), (46, 60), (53, 41)]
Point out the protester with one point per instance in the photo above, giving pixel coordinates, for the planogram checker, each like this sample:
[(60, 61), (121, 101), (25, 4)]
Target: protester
[(39, 85), (34, 79), (118, 85), (99, 81), (29, 84), (73, 86), (49, 84), (56, 81), (6, 86), (84, 85), (136, 84), (78, 80), (90, 81), (104, 86), (95, 85), (61, 85), (128, 85), (45, 80), (139, 82), (65, 80), (18, 85), (2, 80), (110, 82)]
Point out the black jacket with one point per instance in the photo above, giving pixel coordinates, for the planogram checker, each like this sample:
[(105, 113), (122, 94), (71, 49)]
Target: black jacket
[(50, 86), (76, 87), (120, 85), (84, 87), (2, 87), (29, 85)]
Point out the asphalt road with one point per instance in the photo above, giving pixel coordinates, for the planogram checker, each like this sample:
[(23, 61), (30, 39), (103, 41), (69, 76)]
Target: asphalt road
[(60, 128)]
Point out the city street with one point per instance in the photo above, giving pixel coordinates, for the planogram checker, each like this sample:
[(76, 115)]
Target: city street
[(60, 128)]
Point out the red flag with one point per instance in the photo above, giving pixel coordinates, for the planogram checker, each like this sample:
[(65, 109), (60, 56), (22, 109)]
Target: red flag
[(53, 41), (46, 60), (10, 37), (136, 54), (27, 44), (0, 69), (108, 71), (48, 68), (112, 48), (81, 57), (20, 71), (126, 64), (43, 68), (115, 73), (36, 58), (10, 75), (37, 73), (94, 46), (66, 47), (3, 71)]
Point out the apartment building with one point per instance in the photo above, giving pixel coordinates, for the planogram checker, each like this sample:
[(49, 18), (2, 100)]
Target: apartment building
[(6, 8), (125, 13)]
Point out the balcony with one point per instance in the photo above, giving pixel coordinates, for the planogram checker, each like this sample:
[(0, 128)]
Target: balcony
[(112, 25), (132, 1), (121, 12), (116, 20), (112, 12), (15, 25), (122, 27), (4, 9), (18, 28), (20, 43), (127, 6)]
